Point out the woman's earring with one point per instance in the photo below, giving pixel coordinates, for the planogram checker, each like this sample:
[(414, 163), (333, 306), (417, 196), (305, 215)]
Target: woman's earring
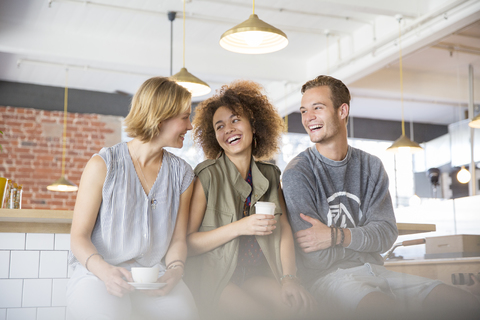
[(254, 141)]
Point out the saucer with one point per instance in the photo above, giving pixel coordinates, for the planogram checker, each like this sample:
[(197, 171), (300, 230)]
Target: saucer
[(147, 286)]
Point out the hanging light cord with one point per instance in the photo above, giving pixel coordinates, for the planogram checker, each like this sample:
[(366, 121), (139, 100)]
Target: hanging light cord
[(184, 33), (253, 6), (285, 99), (65, 104), (401, 71), (328, 56)]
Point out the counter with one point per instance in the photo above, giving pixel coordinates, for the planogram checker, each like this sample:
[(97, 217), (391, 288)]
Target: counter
[(60, 221), (35, 221), (440, 269)]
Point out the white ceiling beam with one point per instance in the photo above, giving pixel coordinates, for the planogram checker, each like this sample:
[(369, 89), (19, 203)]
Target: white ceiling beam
[(286, 10), (425, 30), (451, 47), (419, 34), (199, 17), (386, 9)]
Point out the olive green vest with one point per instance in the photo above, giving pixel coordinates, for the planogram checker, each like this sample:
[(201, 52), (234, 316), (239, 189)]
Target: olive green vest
[(225, 190)]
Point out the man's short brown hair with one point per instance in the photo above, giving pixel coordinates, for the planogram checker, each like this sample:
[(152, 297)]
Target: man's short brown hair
[(340, 92)]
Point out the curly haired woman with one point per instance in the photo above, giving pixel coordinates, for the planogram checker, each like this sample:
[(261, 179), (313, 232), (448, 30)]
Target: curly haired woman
[(242, 264)]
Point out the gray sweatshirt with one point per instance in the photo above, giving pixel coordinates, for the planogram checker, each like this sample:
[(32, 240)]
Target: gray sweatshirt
[(351, 193)]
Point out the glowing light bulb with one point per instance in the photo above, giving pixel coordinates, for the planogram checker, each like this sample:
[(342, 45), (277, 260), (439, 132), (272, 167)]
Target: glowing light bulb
[(404, 150), (463, 176), (414, 200), (253, 38)]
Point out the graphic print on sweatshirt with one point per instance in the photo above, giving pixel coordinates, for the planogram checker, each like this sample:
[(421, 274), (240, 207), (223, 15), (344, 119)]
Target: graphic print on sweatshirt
[(338, 211)]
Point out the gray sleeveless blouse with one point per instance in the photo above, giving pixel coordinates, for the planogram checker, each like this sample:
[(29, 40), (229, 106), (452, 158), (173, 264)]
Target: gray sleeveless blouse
[(128, 226)]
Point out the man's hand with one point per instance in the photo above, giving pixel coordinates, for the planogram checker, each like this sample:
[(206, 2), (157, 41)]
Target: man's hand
[(317, 237)]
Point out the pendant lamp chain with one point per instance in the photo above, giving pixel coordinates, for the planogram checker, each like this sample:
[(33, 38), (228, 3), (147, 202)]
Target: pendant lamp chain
[(65, 106), (401, 71), (63, 184), (184, 78), (403, 143), (184, 33)]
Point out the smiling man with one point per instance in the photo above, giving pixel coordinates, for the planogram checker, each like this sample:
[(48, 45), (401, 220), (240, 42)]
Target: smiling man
[(341, 213)]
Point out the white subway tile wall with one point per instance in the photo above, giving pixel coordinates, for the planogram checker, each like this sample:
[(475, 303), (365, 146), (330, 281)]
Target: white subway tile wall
[(11, 293), (22, 314), (51, 313), (39, 241), (62, 241), (33, 276), (4, 265), (12, 241), (24, 264), (59, 292), (53, 264), (37, 292)]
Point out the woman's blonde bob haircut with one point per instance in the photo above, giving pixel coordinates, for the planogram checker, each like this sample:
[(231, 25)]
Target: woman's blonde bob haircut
[(158, 99)]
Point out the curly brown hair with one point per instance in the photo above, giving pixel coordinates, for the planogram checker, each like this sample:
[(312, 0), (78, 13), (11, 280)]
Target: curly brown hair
[(244, 98)]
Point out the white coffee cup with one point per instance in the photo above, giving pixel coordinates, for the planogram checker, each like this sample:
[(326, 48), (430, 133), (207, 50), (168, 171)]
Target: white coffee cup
[(263, 207), (145, 275)]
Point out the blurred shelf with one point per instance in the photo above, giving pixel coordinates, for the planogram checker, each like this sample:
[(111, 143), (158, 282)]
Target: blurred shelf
[(412, 228), (35, 221)]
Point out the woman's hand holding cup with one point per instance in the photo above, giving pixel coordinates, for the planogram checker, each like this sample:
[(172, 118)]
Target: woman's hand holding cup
[(114, 279), (260, 224)]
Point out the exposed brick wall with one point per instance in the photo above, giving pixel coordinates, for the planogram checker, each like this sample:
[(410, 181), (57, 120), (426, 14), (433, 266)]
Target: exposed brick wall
[(32, 150)]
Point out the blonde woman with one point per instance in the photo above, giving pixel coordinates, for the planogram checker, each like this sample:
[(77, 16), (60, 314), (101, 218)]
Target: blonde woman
[(132, 211)]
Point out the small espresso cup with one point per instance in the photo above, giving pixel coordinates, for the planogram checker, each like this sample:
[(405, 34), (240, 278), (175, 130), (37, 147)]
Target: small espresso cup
[(262, 207), (145, 275)]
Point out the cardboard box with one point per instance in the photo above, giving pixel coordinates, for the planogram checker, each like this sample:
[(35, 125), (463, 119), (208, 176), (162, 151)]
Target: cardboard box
[(456, 246)]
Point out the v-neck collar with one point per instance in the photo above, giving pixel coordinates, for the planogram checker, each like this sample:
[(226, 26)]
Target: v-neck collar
[(136, 174)]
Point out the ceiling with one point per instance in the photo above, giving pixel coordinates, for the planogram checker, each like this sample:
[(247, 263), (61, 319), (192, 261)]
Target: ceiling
[(115, 45)]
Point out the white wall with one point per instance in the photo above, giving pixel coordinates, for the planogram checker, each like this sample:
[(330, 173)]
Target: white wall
[(33, 276)]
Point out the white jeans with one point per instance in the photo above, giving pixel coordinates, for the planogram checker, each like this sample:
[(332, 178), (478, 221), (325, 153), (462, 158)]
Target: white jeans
[(87, 298), (343, 289)]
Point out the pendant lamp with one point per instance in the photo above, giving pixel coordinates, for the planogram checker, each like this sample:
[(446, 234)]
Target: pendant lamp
[(403, 143), (475, 123), (187, 80), (63, 184), (253, 36), (463, 176)]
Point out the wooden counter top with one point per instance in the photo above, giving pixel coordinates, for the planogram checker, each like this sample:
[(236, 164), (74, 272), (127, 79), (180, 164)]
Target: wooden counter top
[(59, 221), (438, 269), (35, 221), (411, 228)]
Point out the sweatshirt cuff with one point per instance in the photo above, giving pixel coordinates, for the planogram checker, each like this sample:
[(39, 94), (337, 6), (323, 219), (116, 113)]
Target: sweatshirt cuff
[(356, 240)]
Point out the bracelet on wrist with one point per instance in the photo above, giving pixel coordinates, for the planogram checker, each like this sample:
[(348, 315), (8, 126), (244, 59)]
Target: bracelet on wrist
[(342, 240), (289, 277), (93, 254), (175, 262), (172, 266), (332, 243)]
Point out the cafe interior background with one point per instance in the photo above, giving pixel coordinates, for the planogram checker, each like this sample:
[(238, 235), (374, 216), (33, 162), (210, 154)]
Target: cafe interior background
[(413, 68)]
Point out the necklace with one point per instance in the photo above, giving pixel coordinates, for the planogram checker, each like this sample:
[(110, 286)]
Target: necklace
[(153, 202), (334, 209)]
